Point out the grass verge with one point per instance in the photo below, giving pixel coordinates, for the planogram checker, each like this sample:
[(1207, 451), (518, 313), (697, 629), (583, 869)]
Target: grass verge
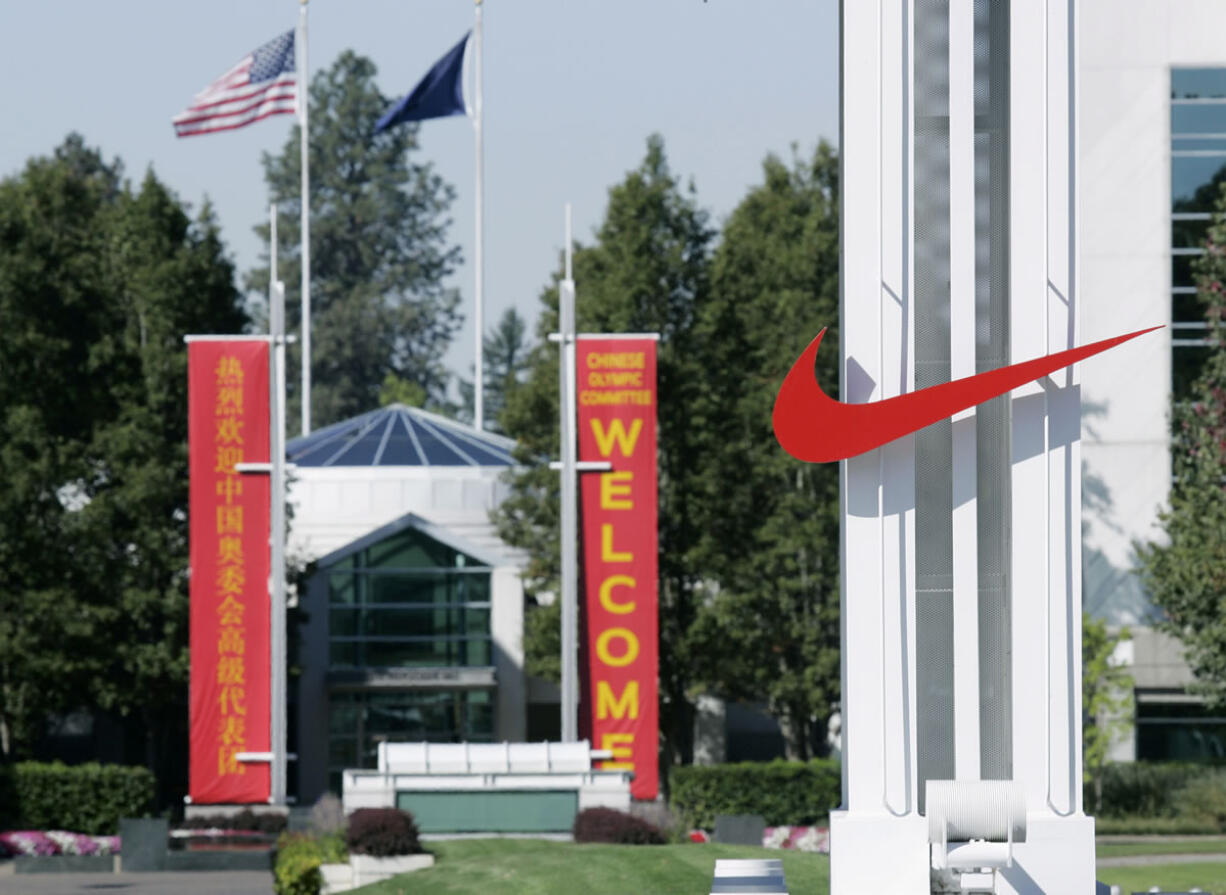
[(1173, 845), (1209, 876), (535, 867)]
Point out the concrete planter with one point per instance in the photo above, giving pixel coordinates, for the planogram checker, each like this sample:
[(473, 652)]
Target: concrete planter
[(336, 878), (362, 870)]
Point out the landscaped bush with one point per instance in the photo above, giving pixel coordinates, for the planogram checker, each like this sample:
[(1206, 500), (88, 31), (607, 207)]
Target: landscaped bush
[(87, 798), (296, 871), (1142, 789), (382, 832), (1204, 798), (616, 827), (785, 793)]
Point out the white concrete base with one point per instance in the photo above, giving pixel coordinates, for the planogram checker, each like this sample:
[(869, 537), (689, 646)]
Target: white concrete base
[(878, 853), (1057, 858), (362, 870)]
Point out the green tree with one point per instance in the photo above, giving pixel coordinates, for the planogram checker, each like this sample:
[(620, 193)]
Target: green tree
[(1186, 572), (379, 250), (1106, 698), (769, 630), (504, 356), (647, 271), (98, 284)]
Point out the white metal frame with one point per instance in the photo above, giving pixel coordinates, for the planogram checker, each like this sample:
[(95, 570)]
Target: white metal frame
[(880, 786)]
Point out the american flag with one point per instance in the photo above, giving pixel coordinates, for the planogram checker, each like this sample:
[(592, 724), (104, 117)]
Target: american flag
[(261, 84)]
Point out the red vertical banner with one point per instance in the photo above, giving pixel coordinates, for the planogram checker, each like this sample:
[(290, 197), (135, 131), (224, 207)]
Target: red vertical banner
[(228, 423), (616, 387)]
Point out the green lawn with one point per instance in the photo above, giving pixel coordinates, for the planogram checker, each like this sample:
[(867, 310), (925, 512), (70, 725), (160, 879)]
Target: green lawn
[(1211, 877), (1167, 845), (535, 867)]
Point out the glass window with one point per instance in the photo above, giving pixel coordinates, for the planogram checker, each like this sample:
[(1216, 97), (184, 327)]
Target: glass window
[(1198, 173), (359, 720), (1196, 181), (409, 601), (1198, 83), (1198, 119), (1189, 356)]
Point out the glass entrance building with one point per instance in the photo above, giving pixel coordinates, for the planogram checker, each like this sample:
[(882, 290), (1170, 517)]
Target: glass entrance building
[(410, 619)]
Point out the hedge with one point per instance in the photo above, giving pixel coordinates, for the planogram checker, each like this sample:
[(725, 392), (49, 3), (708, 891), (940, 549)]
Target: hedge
[(1142, 788), (84, 798), (786, 793)]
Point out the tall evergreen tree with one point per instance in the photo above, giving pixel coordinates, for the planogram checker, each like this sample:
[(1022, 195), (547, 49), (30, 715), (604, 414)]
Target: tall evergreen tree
[(504, 356), (1186, 573), (98, 285), (379, 250), (770, 545), (646, 272)]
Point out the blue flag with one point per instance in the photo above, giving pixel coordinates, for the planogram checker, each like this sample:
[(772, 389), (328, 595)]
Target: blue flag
[(439, 94)]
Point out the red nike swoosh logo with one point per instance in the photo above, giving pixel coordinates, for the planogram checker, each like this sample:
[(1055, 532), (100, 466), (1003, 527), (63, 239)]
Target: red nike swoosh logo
[(812, 426)]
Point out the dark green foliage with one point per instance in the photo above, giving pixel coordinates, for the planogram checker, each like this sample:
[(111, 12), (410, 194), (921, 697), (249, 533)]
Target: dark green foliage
[(1106, 701), (614, 827), (647, 271), (1143, 788), (382, 832), (1185, 572), (379, 251), (785, 793), (769, 523), (99, 282), (1204, 797), (85, 798), (504, 357)]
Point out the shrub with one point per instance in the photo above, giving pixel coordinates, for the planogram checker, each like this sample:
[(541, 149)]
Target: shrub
[(382, 832), (296, 871), (1142, 788), (85, 798), (785, 793), (608, 825), (327, 815), (267, 822), (1204, 798)]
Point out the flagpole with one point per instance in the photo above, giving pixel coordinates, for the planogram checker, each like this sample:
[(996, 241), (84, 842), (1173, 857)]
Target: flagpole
[(479, 390), (303, 91), (277, 633)]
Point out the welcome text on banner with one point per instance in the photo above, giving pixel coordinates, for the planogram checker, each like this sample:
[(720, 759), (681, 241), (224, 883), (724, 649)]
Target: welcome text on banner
[(616, 386)]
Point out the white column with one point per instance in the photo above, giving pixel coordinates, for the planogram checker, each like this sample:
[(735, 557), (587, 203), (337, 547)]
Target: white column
[(877, 490)]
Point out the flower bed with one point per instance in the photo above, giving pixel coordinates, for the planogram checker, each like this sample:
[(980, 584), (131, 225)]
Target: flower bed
[(56, 842), (813, 839)]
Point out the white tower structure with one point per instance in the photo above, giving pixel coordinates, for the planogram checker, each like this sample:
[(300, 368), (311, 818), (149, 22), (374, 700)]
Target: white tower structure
[(961, 590)]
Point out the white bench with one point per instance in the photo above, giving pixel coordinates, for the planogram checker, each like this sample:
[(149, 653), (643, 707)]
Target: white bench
[(748, 877)]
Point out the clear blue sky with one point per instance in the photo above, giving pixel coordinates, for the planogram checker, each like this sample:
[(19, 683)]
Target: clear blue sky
[(572, 89)]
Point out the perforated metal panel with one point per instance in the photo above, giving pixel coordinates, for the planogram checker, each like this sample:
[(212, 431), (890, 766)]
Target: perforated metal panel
[(933, 445), (993, 427)]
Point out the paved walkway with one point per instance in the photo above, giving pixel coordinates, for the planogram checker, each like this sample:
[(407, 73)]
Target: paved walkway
[(238, 882)]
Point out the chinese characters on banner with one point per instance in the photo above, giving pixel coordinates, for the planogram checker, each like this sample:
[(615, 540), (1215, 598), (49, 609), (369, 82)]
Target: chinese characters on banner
[(228, 423), (616, 385)]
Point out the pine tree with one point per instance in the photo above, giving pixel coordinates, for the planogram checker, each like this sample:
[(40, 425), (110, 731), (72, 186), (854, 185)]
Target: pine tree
[(379, 251)]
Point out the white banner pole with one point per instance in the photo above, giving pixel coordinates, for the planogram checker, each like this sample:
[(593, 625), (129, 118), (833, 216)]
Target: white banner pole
[(479, 254), (304, 121)]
